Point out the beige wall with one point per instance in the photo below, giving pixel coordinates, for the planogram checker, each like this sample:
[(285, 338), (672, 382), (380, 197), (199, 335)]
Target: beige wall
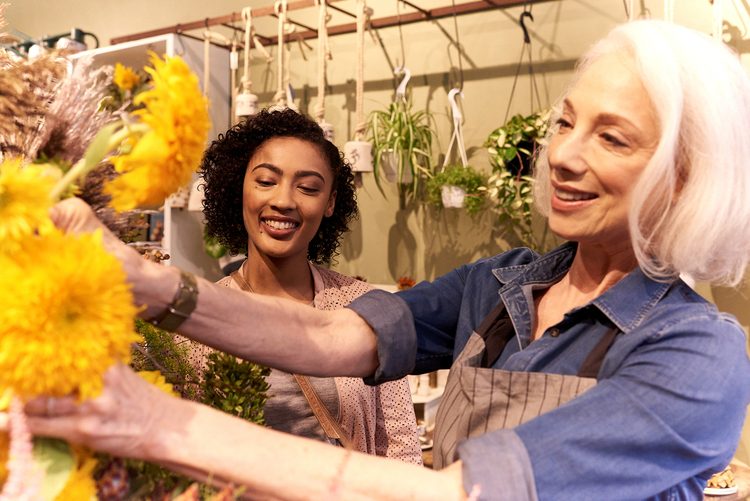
[(387, 242)]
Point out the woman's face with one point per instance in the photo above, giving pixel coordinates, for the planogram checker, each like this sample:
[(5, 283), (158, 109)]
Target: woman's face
[(607, 134), (287, 192)]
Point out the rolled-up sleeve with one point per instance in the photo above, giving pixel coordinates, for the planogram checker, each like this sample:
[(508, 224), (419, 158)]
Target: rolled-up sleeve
[(498, 465), (390, 318)]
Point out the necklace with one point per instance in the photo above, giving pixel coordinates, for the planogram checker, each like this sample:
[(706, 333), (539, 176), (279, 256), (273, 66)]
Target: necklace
[(238, 277)]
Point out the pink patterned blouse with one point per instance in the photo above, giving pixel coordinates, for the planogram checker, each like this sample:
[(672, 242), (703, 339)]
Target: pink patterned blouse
[(379, 419)]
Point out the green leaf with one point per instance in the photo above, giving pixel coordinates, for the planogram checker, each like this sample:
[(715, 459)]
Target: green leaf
[(99, 146), (56, 460)]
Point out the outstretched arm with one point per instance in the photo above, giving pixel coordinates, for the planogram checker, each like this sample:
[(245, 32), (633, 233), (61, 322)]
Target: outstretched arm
[(133, 419), (267, 330)]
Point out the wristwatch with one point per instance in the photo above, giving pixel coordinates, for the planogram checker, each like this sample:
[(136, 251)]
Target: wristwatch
[(183, 304)]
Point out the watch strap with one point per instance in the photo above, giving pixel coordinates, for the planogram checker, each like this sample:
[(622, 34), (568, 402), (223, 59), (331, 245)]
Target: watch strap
[(182, 306)]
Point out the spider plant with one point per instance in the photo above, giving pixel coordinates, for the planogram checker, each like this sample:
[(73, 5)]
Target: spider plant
[(402, 146)]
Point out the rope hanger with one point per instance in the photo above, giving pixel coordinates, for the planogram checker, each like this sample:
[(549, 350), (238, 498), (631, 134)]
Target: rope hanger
[(525, 50)]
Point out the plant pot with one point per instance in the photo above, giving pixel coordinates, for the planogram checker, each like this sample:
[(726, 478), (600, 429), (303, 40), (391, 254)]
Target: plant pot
[(327, 130), (359, 155), (389, 161), (245, 105), (453, 196)]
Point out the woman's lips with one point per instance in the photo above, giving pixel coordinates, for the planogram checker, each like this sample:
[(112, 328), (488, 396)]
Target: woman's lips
[(567, 199), (279, 227)]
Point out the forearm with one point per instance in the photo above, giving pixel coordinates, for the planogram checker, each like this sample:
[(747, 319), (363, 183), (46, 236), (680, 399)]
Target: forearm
[(267, 330), (274, 464)]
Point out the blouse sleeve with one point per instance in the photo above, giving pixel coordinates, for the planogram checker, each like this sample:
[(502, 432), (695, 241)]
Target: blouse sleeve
[(396, 425)]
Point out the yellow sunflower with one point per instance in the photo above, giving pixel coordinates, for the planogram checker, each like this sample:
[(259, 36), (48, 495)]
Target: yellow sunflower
[(125, 78), (157, 379), (80, 485), (67, 316), (165, 156), (24, 202)]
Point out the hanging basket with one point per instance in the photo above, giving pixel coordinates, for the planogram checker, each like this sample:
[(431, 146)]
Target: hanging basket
[(359, 155), (453, 196), (389, 161), (245, 105), (327, 130)]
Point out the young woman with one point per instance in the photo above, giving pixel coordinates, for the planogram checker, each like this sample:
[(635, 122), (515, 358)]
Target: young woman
[(276, 189)]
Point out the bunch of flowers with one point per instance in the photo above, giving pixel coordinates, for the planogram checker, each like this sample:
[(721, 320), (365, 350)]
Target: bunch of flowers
[(68, 312)]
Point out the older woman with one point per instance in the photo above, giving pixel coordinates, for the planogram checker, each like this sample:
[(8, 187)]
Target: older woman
[(592, 372)]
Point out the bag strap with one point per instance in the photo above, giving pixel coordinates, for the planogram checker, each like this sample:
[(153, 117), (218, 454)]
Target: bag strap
[(329, 425)]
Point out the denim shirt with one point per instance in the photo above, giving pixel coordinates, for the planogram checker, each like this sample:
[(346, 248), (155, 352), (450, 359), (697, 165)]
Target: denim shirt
[(666, 412)]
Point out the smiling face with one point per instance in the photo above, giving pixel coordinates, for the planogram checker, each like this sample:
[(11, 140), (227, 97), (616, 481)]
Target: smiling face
[(287, 192), (607, 133)]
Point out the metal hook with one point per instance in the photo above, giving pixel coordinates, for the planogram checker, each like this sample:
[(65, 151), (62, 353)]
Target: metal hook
[(525, 14), (455, 109), (402, 70)]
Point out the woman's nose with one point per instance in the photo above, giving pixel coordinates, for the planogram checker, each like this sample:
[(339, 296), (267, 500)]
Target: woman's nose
[(567, 152), (283, 198)]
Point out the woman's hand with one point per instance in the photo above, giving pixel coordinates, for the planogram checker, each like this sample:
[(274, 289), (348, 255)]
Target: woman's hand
[(125, 420)]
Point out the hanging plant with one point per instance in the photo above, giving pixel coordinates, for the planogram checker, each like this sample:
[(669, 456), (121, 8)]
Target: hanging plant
[(512, 149), (402, 142), (443, 187)]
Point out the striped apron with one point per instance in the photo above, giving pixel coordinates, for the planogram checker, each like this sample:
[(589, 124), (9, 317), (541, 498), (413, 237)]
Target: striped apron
[(478, 399)]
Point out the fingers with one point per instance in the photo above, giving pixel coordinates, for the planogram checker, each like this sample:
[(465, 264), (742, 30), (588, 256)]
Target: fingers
[(51, 406)]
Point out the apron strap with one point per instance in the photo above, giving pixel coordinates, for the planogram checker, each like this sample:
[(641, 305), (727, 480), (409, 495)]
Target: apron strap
[(496, 330), (593, 362)]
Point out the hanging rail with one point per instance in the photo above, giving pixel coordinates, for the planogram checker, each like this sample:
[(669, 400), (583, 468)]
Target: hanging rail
[(341, 29)]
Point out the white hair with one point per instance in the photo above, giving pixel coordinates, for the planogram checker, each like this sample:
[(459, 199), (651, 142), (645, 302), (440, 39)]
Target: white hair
[(690, 209)]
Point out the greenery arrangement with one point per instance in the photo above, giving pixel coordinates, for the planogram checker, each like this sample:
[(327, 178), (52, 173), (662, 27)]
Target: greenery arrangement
[(467, 178), (235, 386), (402, 141), (512, 149)]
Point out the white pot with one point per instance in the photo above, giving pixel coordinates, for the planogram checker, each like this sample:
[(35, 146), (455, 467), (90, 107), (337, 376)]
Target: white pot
[(245, 105), (389, 161), (452, 196), (327, 130), (359, 155)]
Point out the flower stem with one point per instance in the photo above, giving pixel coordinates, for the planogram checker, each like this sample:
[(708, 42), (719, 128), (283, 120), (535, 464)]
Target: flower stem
[(89, 161)]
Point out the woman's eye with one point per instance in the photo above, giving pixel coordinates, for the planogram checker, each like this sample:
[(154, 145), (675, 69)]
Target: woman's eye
[(264, 182), (613, 140), (563, 123), (309, 190)]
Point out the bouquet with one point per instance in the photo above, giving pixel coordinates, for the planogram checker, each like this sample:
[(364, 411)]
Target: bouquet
[(122, 141)]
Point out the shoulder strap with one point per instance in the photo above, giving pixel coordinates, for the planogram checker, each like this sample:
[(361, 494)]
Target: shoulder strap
[(593, 362), (329, 425)]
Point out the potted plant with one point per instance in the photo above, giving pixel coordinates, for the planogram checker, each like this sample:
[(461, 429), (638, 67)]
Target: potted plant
[(512, 149), (401, 145), (458, 186)]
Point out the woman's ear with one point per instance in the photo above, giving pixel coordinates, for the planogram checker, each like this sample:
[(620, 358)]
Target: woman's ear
[(331, 205)]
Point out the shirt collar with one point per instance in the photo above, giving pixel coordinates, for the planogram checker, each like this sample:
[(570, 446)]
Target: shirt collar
[(626, 303)]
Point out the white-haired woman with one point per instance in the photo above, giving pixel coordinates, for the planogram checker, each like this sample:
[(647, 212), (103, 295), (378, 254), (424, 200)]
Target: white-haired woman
[(592, 372)]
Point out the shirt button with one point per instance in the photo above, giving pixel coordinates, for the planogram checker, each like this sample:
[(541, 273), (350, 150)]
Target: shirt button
[(554, 332)]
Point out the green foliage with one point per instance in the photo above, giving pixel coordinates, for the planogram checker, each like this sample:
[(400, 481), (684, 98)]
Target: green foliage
[(512, 146), (213, 247), (235, 386), (159, 351), (472, 181), (512, 149), (404, 135)]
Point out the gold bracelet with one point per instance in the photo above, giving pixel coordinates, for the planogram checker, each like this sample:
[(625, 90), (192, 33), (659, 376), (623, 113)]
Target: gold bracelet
[(184, 302)]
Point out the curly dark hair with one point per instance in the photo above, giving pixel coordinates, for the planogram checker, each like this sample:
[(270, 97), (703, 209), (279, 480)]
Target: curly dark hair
[(223, 170)]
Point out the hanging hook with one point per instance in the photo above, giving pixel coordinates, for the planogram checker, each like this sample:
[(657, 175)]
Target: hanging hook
[(402, 70), (525, 14), (455, 109)]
